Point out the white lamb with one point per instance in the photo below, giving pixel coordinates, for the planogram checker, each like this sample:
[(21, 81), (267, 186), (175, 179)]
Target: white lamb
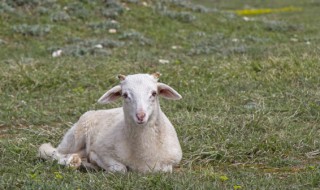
[(137, 136)]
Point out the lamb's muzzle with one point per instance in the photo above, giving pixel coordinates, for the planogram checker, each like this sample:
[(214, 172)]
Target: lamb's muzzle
[(141, 116)]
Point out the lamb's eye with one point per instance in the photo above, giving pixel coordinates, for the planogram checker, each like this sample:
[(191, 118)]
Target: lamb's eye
[(125, 95), (154, 93)]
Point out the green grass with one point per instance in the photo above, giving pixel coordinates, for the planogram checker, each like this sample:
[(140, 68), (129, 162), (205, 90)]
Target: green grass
[(250, 113)]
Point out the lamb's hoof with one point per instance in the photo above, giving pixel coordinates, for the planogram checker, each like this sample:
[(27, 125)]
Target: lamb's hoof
[(117, 168), (74, 161)]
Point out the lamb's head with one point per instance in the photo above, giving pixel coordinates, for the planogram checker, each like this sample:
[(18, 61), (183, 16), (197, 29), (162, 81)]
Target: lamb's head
[(140, 96)]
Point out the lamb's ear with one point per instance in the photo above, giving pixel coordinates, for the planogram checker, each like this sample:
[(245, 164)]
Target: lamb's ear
[(168, 92), (111, 95)]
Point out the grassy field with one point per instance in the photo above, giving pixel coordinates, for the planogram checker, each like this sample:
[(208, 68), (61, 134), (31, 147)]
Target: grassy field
[(250, 113)]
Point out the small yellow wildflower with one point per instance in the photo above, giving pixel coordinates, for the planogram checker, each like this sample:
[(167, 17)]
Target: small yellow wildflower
[(33, 176), (235, 187), (78, 90), (223, 178), (311, 167), (266, 11), (58, 175)]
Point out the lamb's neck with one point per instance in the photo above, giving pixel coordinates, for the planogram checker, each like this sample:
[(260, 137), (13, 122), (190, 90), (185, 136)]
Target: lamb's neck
[(147, 135)]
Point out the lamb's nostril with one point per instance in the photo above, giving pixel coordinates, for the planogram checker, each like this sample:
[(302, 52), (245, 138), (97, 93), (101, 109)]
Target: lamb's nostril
[(141, 116)]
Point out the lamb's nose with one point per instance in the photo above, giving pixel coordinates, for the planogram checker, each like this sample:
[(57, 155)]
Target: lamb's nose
[(141, 116)]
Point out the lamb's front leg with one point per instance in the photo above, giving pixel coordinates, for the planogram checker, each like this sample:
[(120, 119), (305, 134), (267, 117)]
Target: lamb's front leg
[(107, 163)]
